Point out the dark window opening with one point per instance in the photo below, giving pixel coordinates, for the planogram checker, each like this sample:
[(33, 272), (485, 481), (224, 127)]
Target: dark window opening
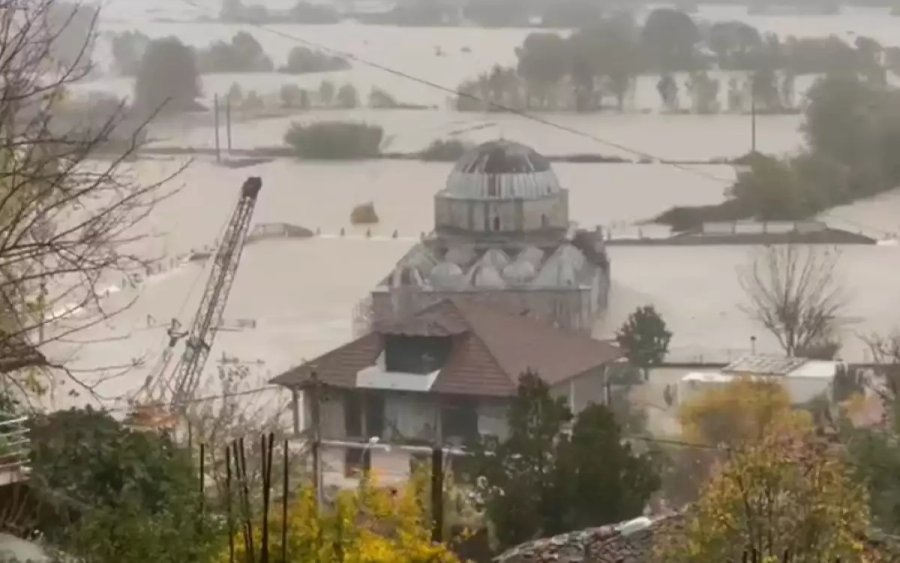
[(357, 461), (496, 223), (544, 221), (416, 354), (493, 185), (353, 415), (459, 421), (374, 415)]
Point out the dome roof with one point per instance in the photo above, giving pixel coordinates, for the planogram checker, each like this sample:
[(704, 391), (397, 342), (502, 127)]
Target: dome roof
[(447, 275), (496, 258), (519, 272), (487, 276), (501, 170), (531, 254), (406, 275), (460, 255)]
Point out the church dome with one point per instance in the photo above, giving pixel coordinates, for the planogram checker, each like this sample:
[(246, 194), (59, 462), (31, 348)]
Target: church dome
[(406, 275), (496, 258), (447, 275), (519, 272), (487, 276), (502, 170)]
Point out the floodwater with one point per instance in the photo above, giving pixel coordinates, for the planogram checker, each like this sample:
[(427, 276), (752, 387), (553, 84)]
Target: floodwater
[(302, 293)]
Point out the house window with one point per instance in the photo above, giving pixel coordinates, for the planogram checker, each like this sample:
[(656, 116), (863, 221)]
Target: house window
[(459, 421), (493, 185), (416, 354), (353, 415), (496, 223), (363, 415)]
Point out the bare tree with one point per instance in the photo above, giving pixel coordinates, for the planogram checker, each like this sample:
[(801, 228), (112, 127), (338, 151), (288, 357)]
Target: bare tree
[(69, 208), (793, 293)]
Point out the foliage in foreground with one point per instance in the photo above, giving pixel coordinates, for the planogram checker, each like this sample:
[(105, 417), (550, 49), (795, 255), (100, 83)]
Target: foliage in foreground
[(123, 496), (335, 140), (784, 494), (371, 524), (539, 481), (644, 338)]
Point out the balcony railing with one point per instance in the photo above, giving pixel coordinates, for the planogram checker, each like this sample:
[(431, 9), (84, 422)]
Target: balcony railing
[(15, 447)]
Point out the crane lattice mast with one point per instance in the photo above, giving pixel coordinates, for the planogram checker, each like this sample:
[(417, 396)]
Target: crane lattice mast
[(199, 339)]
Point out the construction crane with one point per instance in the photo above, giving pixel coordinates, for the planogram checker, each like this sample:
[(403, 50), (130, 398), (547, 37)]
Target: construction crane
[(179, 387)]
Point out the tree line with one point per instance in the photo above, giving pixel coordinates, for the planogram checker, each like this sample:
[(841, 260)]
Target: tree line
[(600, 62)]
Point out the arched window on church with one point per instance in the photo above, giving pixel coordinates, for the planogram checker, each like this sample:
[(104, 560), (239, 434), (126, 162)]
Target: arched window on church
[(493, 185), (496, 223), (544, 222)]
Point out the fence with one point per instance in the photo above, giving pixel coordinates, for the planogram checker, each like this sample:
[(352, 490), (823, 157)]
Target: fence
[(15, 446)]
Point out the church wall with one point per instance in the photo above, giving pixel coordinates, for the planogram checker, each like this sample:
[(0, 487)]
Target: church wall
[(570, 308)]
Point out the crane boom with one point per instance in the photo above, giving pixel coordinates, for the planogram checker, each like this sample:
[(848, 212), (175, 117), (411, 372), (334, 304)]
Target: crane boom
[(202, 333)]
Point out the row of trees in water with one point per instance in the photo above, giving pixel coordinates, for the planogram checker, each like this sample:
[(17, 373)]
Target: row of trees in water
[(598, 65)]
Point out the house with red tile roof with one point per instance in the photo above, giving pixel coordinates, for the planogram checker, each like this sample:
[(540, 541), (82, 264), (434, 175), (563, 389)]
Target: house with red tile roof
[(441, 376)]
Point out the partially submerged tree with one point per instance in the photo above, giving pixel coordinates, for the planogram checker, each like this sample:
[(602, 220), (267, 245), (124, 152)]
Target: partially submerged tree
[(168, 78), (794, 294), (644, 338)]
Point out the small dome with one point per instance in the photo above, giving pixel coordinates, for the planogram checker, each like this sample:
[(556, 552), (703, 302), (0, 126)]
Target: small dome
[(519, 272), (487, 276), (531, 254), (562, 268), (502, 170), (406, 276), (420, 259), (447, 275), (460, 255), (496, 258)]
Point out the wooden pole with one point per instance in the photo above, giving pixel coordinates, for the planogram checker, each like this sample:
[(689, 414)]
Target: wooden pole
[(245, 490), (316, 439), (202, 474), (228, 122), (284, 505), (753, 114), (266, 475), (216, 121), (437, 495), (228, 514)]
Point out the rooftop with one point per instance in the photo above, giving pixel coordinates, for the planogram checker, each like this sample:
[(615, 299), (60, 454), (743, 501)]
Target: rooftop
[(491, 349), (501, 170)]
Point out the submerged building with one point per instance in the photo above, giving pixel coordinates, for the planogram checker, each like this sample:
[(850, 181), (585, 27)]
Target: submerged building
[(501, 235)]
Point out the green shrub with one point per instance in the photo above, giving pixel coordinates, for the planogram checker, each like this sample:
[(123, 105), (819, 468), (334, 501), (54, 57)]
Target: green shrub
[(335, 140)]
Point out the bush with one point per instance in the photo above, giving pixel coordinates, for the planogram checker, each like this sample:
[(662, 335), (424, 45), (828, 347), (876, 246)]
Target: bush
[(379, 99), (242, 54), (347, 97), (292, 96), (167, 77), (127, 50), (326, 92), (335, 140), (444, 150), (302, 60)]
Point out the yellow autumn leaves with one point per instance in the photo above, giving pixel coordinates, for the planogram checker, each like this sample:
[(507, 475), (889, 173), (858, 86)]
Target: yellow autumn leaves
[(780, 490), (370, 524)]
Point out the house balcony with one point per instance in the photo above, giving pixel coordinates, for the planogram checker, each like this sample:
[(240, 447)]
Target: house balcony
[(15, 449)]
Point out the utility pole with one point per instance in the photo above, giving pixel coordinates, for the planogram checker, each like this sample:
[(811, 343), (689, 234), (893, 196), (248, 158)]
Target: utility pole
[(437, 494), (753, 114), (228, 122), (315, 447), (216, 121)]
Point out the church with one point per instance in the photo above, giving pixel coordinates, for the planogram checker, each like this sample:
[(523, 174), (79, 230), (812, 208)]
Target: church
[(501, 235)]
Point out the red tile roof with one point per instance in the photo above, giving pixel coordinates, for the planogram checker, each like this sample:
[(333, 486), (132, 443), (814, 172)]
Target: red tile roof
[(491, 349)]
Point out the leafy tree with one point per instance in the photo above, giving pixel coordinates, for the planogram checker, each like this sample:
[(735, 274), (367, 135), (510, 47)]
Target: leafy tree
[(794, 294), (326, 92), (127, 50), (371, 523), (167, 77), (669, 38), (302, 60), (543, 63), (734, 44), (771, 190), (347, 97), (785, 496), (291, 95), (136, 493), (743, 411), (242, 54), (644, 338), (538, 481), (379, 99), (705, 93)]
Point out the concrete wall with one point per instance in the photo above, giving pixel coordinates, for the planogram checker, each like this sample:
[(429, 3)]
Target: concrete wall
[(572, 308), (510, 215)]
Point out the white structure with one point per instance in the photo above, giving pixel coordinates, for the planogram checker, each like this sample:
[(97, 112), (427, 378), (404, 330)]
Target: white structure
[(803, 379), (502, 236)]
